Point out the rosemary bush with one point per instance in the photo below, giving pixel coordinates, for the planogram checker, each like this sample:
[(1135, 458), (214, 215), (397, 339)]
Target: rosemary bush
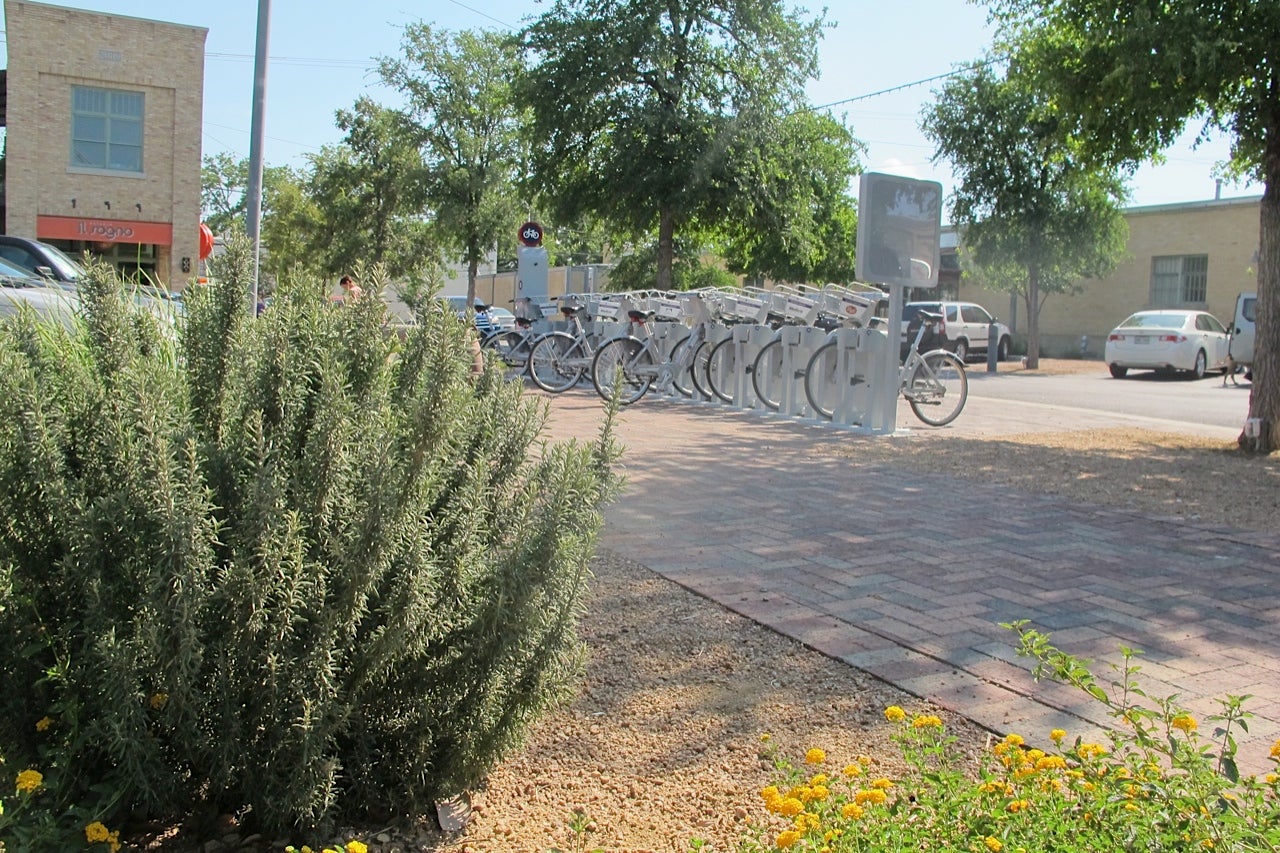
[(292, 563)]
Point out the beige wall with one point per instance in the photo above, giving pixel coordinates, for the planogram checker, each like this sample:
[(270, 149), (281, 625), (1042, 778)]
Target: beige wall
[(1226, 231), (52, 48)]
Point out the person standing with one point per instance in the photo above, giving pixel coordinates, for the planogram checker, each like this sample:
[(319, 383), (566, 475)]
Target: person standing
[(350, 290)]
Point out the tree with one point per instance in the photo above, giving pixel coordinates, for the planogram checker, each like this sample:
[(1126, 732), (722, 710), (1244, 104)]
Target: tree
[(1034, 218), (805, 231), (371, 193), (643, 110), (1127, 77), (465, 123), (223, 183)]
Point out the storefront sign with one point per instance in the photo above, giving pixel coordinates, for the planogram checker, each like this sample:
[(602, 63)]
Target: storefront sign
[(103, 230)]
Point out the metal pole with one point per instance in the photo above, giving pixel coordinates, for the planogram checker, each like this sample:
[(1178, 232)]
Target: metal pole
[(253, 215)]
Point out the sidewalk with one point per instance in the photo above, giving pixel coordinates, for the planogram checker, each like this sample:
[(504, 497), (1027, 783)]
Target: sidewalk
[(902, 574)]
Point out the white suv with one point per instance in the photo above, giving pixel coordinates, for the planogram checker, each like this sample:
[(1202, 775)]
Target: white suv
[(965, 327)]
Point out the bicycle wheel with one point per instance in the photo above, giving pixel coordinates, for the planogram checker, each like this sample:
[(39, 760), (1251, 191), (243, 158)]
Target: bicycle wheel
[(822, 379), (681, 380), (698, 373), (721, 365), (512, 349), (766, 375), (550, 363), (937, 388), (626, 360)]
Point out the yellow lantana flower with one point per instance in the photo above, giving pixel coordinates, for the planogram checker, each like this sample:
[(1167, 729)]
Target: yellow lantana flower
[(790, 807), (1275, 749), (1184, 722), (30, 780), (993, 844), (95, 832), (852, 811), (929, 721), (43, 723), (354, 846), (873, 795), (786, 838), (882, 784), (815, 756), (1057, 735), (852, 770), (894, 714), (1014, 740)]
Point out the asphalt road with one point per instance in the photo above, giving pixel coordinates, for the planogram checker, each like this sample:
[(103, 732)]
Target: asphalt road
[(1170, 403)]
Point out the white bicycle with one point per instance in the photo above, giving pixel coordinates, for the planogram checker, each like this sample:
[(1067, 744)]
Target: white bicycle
[(934, 384)]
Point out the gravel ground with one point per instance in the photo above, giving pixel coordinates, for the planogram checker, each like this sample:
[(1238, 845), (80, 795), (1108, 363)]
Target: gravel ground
[(663, 743)]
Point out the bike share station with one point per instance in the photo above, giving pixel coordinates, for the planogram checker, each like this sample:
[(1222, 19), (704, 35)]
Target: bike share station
[(846, 371)]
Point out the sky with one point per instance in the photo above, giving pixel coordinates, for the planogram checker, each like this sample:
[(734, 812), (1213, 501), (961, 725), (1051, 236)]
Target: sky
[(322, 54)]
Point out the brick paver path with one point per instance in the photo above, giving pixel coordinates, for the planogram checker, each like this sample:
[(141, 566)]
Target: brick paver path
[(907, 573)]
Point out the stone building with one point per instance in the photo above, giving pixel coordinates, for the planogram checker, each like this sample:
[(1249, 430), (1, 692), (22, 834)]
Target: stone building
[(103, 134)]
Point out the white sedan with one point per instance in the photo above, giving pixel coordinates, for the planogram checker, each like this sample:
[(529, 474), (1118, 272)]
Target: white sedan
[(1167, 339)]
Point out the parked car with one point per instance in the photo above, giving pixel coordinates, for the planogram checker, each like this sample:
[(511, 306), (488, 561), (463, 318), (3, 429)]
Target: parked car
[(40, 258), (21, 289), (965, 328), (488, 319), (1167, 339)]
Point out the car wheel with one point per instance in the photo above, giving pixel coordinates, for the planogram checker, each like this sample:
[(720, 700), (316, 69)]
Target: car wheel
[(1202, 363), (1002, 351), (962, 350), (1118, 372)]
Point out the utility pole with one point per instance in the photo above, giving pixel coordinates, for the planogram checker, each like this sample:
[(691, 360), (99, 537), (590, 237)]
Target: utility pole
[(253, 216)]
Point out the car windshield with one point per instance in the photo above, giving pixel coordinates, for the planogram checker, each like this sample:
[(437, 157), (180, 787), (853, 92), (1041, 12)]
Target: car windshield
[(1155, 321), (66, 268), (9, 269)]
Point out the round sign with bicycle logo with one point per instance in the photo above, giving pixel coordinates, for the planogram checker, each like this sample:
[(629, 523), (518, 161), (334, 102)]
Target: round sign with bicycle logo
[(530, 234)]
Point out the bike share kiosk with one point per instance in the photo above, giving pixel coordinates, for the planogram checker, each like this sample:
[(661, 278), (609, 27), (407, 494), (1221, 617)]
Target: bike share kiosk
[(532, 300), (899, 230)]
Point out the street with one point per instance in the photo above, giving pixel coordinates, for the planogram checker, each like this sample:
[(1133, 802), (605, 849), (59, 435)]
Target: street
[(1145, 394)]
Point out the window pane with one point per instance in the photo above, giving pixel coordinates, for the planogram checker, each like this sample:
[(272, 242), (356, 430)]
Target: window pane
[(126, 104), (89, 128), (1195, 271), (1166, 280), (126, 132), (88, 100), (126, 158), (91, 154)]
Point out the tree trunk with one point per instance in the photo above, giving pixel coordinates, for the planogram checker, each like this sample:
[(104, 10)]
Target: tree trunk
[(666, 250), (473, 266), (1264, 398), (1033, 318)]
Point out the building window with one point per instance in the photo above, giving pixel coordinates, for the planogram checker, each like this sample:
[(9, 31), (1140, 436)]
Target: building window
[(1179, 279), (106, 129)]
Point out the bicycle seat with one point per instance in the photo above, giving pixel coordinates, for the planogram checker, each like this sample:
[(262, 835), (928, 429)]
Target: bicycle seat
[(929, 317), (570, 310), (640, 316)]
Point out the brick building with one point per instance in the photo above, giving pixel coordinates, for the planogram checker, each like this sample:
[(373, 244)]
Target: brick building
[(103, 130), (1189, 255)]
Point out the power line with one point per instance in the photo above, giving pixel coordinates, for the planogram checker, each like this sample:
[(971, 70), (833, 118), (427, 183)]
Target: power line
[(902, 86)]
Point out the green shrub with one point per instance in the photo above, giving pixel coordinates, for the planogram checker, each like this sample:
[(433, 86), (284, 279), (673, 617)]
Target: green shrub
[(1156, 784), (291, 563)]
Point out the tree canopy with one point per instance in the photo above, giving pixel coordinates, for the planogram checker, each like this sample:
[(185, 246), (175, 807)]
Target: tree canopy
[(1126, 78), (466, 124), (1034, 217), (642, 111)]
